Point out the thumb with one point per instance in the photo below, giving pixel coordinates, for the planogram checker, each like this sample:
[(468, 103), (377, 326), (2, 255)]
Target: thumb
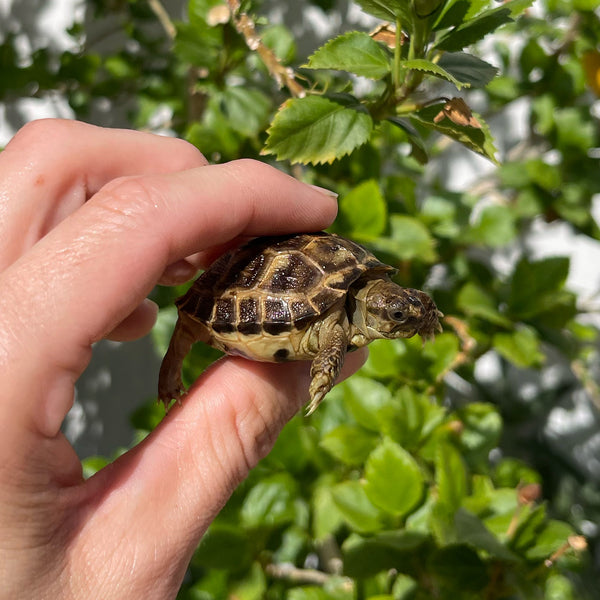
[(165, 492)]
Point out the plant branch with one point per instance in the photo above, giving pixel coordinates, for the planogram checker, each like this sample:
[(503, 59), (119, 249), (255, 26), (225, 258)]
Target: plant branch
[(163, 17), (293, 574), (284, 76)]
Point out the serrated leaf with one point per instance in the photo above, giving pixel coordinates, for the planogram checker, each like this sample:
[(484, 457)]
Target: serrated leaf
[(473, 30), (355, 52), (317, 130), (363, 211), (394, 481), (388, 10), (452, 15), (477, 139), (467, 68), (521, 347), (420, 64)]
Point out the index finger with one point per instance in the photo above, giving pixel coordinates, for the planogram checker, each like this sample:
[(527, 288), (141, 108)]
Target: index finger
[(93, 269)]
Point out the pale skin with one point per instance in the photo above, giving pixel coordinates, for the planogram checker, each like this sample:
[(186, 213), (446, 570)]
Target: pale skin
[(90, 220)]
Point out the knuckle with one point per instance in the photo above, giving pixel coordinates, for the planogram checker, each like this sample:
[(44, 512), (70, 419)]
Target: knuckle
[(35, 136), (126, 201)]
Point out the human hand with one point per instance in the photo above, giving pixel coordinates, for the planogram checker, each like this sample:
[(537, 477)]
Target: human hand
[(90, 220)]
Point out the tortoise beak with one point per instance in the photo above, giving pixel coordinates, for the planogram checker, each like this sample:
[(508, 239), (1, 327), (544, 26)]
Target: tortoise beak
[(431, 325)]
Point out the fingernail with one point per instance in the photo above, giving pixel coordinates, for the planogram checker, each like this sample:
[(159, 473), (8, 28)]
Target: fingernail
[(325, 191)]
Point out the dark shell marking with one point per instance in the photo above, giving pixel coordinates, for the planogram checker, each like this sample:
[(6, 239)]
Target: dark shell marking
[(277, 285)]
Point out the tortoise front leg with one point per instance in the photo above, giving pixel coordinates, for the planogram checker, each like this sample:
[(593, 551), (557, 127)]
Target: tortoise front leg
[(170, 385), (327, 365)]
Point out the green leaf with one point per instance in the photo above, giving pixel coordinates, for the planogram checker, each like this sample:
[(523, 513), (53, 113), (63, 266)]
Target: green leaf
[(349, 443), (420, 64), (535, 284), (147, 416), (477, 139), (163, 329), (326, 518), (559, 587), (481, 433), (364, 398), (441, 352), (92, 464), (246, 109), (363, 211), (477, 302), (459, 566), (365, 557), (410, 418), (223, 547), (394, 481), (530, 524), (355, 52), (355, 507), (270, 502), (494, 227), (521, 347), (317, 130), (409, 239), (452, 15), (450, 477), (389, 10), (470, 530), (198, 44), (474, 30), (309, 592), (418, 149), (467, 68)]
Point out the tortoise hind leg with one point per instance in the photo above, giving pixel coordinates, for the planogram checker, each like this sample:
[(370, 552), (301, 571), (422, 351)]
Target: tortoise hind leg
[(170, 385), (326, 366)]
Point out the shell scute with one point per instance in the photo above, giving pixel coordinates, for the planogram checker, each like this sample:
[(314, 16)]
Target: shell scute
[(278, 284)]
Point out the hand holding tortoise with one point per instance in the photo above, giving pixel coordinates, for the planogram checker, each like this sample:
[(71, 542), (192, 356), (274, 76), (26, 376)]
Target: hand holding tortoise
[(90, 220)]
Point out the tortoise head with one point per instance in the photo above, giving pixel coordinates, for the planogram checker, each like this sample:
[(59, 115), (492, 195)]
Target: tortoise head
[(386, 310)]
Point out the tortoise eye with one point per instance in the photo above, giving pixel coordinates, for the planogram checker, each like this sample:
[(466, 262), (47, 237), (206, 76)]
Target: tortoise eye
[(397, 315)]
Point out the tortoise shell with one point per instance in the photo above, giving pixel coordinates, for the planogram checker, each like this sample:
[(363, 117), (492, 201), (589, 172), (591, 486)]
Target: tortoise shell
[(277, 285)]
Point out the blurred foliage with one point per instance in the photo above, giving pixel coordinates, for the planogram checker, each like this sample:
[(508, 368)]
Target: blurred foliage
[(418, 478)]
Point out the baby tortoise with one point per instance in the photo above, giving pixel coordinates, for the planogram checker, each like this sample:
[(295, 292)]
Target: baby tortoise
[(309, 296)]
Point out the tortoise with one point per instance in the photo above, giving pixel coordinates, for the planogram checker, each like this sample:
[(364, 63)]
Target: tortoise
[(308, 296)]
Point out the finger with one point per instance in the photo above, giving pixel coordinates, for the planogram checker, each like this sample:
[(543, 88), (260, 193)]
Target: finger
[(67, 162), (137, 324), (92, 270), (192, 462)]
